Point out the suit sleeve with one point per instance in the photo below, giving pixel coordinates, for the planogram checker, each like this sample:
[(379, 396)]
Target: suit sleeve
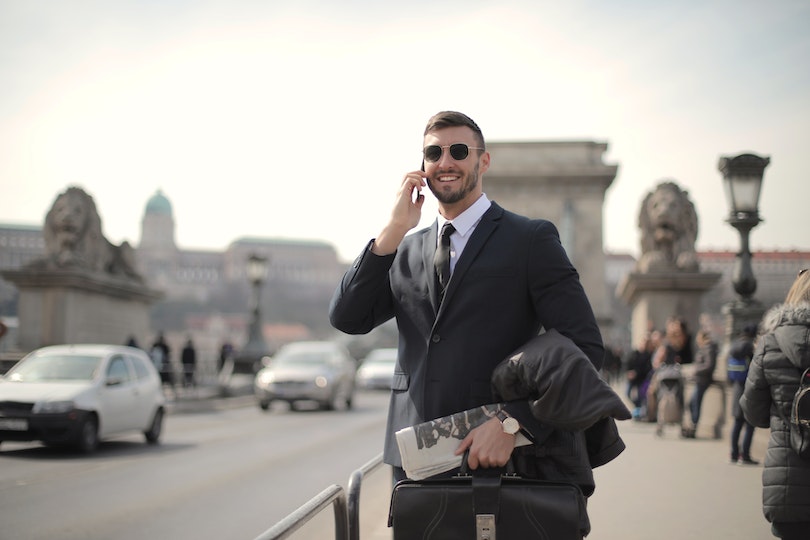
[(363, 299), (557, 293)]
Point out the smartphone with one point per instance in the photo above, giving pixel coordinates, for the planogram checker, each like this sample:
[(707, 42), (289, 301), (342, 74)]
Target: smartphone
[(418, 191)]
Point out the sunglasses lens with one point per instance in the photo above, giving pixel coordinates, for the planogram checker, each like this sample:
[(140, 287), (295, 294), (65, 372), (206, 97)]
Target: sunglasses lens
[(459, 151), (432, 153)]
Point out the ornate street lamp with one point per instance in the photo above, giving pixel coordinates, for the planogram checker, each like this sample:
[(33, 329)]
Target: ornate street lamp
[(248, 360), (742, 178), (255, 348)]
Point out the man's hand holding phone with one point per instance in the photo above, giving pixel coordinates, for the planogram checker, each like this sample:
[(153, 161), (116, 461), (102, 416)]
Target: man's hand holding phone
[(405, 215)]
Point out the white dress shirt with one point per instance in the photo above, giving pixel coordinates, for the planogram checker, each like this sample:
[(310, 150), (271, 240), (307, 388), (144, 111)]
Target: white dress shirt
[(465, 225)]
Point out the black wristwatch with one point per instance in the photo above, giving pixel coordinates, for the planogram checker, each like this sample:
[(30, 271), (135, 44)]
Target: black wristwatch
[(509, 424)]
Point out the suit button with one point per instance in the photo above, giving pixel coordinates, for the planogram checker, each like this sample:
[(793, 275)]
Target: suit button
[(436, 338)]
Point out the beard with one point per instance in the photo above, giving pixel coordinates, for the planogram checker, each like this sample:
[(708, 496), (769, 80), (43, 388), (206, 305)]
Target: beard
[(468, 184)]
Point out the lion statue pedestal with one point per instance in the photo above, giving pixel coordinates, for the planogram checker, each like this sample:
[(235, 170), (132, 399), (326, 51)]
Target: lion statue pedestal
[(85, 289), (667, 280), (655, 297)]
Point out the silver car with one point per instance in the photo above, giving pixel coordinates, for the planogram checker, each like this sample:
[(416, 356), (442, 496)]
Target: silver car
[(78, 394), (376, 371), (319, 371)]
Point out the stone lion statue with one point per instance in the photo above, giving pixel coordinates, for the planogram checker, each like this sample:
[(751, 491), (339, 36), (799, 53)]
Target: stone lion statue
[(73, 239), (669, 228)]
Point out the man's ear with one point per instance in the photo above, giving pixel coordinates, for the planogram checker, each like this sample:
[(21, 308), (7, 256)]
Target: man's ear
[(484, 162)]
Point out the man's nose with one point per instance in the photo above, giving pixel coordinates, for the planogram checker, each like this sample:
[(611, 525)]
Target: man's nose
[(445, 159)]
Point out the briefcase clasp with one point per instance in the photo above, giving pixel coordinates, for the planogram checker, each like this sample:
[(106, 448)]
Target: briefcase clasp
[(485, 527)]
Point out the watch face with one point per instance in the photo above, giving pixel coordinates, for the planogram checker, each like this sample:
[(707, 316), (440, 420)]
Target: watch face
[(510, 425)]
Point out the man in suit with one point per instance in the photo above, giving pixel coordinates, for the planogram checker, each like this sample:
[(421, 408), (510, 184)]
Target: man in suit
[(510, 277)]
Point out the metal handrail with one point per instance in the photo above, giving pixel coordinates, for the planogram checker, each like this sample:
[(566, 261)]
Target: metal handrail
[(355, 480), (347, 508), (334, 495)]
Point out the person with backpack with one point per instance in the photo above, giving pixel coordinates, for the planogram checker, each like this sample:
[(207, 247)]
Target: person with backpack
[(781, 356), (739, 359)]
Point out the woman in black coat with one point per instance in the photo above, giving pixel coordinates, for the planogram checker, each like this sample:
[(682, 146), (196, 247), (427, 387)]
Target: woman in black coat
[(782, 353)]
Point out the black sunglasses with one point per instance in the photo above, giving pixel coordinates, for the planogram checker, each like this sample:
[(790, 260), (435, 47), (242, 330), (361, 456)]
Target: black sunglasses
[(458, 151)]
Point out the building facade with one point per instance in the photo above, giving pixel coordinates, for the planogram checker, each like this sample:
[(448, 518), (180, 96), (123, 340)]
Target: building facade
[(206, 293)]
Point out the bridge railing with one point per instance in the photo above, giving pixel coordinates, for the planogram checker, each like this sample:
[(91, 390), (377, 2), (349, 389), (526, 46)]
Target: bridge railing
[(345, 504)]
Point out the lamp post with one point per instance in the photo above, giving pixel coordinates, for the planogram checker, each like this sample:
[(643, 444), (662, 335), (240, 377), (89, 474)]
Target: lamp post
[(248, 360), (742, 178), (255, 348)]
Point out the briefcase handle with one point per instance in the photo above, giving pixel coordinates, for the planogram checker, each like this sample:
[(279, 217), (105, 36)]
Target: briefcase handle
[(508, 470)]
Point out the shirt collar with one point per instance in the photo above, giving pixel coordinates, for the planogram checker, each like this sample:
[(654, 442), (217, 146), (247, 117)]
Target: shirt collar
[(469, 218)]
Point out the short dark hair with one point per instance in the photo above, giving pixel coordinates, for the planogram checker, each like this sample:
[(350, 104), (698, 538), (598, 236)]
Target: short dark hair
[(447, 119)]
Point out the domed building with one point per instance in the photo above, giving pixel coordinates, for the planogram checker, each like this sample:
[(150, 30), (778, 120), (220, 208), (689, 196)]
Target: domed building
[(205, 287), (157, 251), (157, 226)]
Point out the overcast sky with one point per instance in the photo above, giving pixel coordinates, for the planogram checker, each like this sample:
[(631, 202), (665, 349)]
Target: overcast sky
[(299, 118)]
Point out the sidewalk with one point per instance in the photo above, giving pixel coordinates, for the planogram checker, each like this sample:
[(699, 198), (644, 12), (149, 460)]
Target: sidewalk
[(672, 488), (208, 396), (665, 488)]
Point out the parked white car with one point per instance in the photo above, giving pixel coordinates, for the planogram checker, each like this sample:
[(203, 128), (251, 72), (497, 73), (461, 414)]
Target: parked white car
[(319, 371), (79, 394)]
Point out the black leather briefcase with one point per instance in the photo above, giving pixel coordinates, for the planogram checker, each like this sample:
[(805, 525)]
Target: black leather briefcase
[(494, 507)]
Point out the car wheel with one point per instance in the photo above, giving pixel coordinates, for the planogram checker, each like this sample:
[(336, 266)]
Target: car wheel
[(87, 441), (349, 397), (332, 403), (264, 404), (153, 433)]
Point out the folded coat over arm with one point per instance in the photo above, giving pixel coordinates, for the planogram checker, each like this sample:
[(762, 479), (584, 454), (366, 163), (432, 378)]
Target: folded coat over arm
[(564, 391)]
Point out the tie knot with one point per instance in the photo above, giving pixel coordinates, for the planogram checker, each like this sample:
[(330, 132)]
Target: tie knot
[(447, 230)]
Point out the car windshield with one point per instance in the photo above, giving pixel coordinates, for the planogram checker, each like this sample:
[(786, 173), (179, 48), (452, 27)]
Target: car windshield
[(302, 358), (55, 367)]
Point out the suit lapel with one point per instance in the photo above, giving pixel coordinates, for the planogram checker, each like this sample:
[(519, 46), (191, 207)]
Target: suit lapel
[(428, 251), (482, 232)]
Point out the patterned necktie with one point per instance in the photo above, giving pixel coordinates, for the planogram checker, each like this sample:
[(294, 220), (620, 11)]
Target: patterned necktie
[(441, 260)]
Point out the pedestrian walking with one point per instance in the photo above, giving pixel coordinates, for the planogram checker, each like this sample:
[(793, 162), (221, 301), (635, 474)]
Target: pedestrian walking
[(739, 360), (703, 374), (188, 357), (781, 356), (161, 357)]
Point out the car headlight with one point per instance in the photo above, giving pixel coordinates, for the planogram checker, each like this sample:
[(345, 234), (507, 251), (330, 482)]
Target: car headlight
[(53, 407), (265, 378)]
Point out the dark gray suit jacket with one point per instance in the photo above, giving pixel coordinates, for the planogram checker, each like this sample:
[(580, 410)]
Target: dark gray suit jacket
[(512, 278)]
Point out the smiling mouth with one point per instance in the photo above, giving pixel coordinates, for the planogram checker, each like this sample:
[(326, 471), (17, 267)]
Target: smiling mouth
[(446, 178)]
